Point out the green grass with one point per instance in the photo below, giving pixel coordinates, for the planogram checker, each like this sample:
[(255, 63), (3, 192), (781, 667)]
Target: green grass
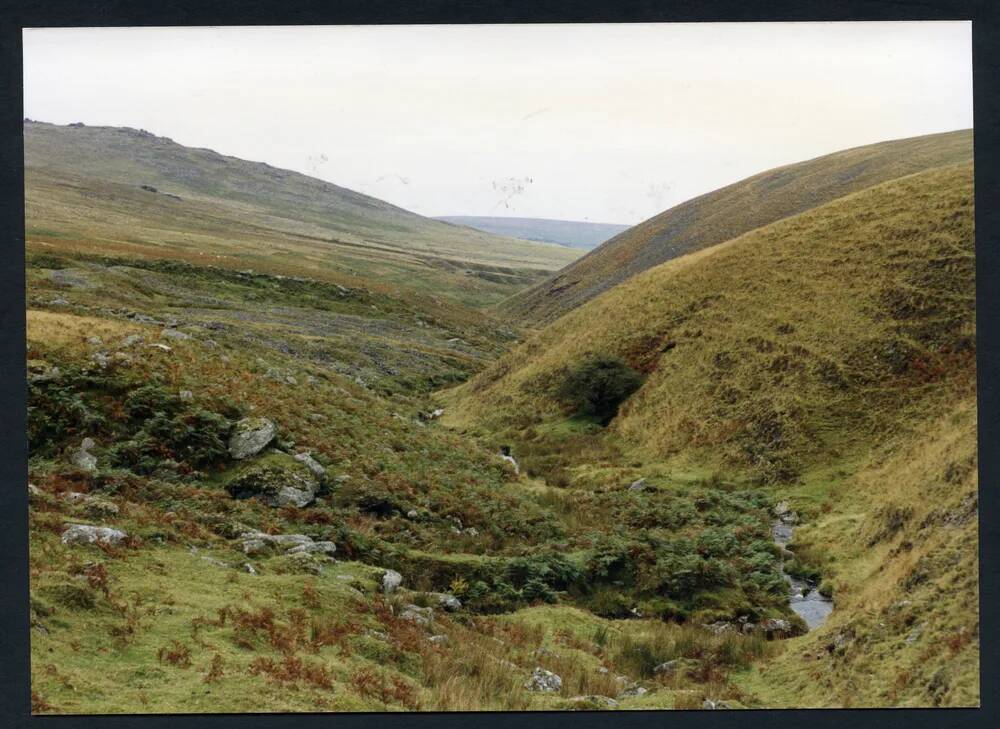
[(841, 380)]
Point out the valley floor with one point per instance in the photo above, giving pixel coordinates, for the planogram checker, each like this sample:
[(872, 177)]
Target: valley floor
[(514, 592)]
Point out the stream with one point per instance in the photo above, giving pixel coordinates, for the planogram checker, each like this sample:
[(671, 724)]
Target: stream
[(803, 597)]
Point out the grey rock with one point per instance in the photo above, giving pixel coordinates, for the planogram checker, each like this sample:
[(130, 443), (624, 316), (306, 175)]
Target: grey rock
[(100, 508), (258, 543), (130, 341), (186, 395), (775, 625), (596, 699), (87, 534), (41, 371), (311, 463), (95, 341), (710, 705), (307, 563), (639, 485), (175, 334), (543, 680), (447, 601), (417, 614), (250, 436), (438, 639), (390, 581), (82, 458), (719, 627), (635, 690), (412, 514)]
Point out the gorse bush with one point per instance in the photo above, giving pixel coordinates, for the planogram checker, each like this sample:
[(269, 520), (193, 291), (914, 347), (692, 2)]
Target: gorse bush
[(598, 386)]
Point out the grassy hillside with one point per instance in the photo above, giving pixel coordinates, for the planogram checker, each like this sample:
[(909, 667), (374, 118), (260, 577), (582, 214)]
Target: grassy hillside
[(830, 357), (84, 191), (572, 233), (900, 549), (826, 360), (731, 211)]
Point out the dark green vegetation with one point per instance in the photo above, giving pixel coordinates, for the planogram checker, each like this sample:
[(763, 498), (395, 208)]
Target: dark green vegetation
[(731, 211), (656, 429), (572, 233), (598, 386)]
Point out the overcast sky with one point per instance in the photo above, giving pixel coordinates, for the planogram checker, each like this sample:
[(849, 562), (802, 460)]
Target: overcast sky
[(608, 123)]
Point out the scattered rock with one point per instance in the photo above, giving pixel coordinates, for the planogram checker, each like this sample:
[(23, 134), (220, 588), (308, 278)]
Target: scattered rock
[(95, 341), (670, 668), (86, 534), (82, 458), (635, 690), (311, 463), (781, 508), (438, 639), (412, 514), (447, 601), (41, 371), (775, 625), (186, 395), (278, 481), (596, 700), (914, 635), (390, 581), (258, 543), (305, 562), (175, 334), (543, 680), (250, 436), (130, 341), (709, 705), (639, 485), (719, 627), (417, 614), (100, 509)]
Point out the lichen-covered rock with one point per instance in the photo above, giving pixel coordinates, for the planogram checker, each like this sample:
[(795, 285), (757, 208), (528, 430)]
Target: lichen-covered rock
[(417, 614), (311, 463), (277, 480), (595, 701), (250, 436), (447, 601), (543, 680), (41, 371), (87, 534), (82, 458), (258, 543), (390, 581), (100, 508)]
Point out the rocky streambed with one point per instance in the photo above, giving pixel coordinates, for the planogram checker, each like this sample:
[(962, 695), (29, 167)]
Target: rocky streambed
[(803, 596)]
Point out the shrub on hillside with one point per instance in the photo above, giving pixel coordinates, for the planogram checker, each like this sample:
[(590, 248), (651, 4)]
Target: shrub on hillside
[(598, 386)]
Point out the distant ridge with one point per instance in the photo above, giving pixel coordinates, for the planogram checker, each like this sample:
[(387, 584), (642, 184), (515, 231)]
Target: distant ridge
[(731, 211), (572, 233)]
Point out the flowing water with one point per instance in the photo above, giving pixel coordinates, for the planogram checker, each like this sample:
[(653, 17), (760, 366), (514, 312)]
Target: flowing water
[(803, 597)]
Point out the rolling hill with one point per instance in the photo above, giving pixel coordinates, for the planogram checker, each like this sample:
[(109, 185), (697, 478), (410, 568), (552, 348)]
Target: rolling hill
[(830, 355), (572, 233), (731, 211), (126, 190)]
